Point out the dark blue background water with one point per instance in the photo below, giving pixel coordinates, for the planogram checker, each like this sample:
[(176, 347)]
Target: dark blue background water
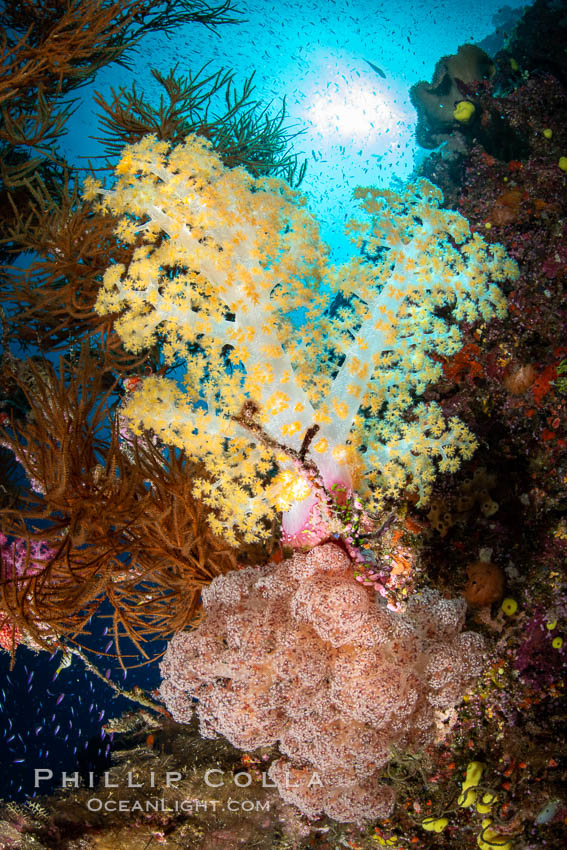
[(54, 721)]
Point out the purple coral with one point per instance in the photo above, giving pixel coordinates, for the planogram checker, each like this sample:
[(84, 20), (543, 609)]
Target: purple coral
[(300, 654), (20, 560), (537, 662)]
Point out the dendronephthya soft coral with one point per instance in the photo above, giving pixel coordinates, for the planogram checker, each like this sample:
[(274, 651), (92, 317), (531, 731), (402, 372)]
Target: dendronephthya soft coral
[(282, 398), (300, 654)]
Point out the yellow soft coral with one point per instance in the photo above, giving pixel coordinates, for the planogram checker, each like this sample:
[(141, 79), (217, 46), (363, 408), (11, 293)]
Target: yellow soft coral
[(234, 288)]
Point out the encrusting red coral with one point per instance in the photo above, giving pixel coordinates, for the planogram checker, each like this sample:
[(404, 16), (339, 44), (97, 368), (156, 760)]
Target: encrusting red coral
[(299, 653), (10, 634)]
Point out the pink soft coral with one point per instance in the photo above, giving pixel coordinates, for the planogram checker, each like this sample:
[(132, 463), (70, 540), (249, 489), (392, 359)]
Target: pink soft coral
[(300, 654)]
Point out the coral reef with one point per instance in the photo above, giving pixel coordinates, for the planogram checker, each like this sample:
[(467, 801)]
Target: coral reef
[(508, 388), (346, 668)]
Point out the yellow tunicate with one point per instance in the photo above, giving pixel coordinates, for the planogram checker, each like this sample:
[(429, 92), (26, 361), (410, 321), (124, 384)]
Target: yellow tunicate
[(467, 797), (464, 111), (548, 133), (509, 606), (473, 776), (434, 824), (484, 806), (557, 643), (551, 625), (489, 838), (474, 773), (562, 163)]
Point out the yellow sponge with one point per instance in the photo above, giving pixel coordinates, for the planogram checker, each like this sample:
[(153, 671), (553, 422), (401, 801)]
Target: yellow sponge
[(464, 111)]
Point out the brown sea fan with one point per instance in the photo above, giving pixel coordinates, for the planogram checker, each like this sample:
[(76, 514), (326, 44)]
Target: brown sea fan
[(123, 525)]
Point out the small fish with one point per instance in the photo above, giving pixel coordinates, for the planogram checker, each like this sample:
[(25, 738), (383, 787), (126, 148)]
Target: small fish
[(30, 677), (376, 68), (38, 729), (18, 761), (60, 699), (101, 715), (66, 659), (107, 674), (108, 645)]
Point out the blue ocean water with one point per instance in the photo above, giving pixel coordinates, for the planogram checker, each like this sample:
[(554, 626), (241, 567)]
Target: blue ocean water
[(356, 128)]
